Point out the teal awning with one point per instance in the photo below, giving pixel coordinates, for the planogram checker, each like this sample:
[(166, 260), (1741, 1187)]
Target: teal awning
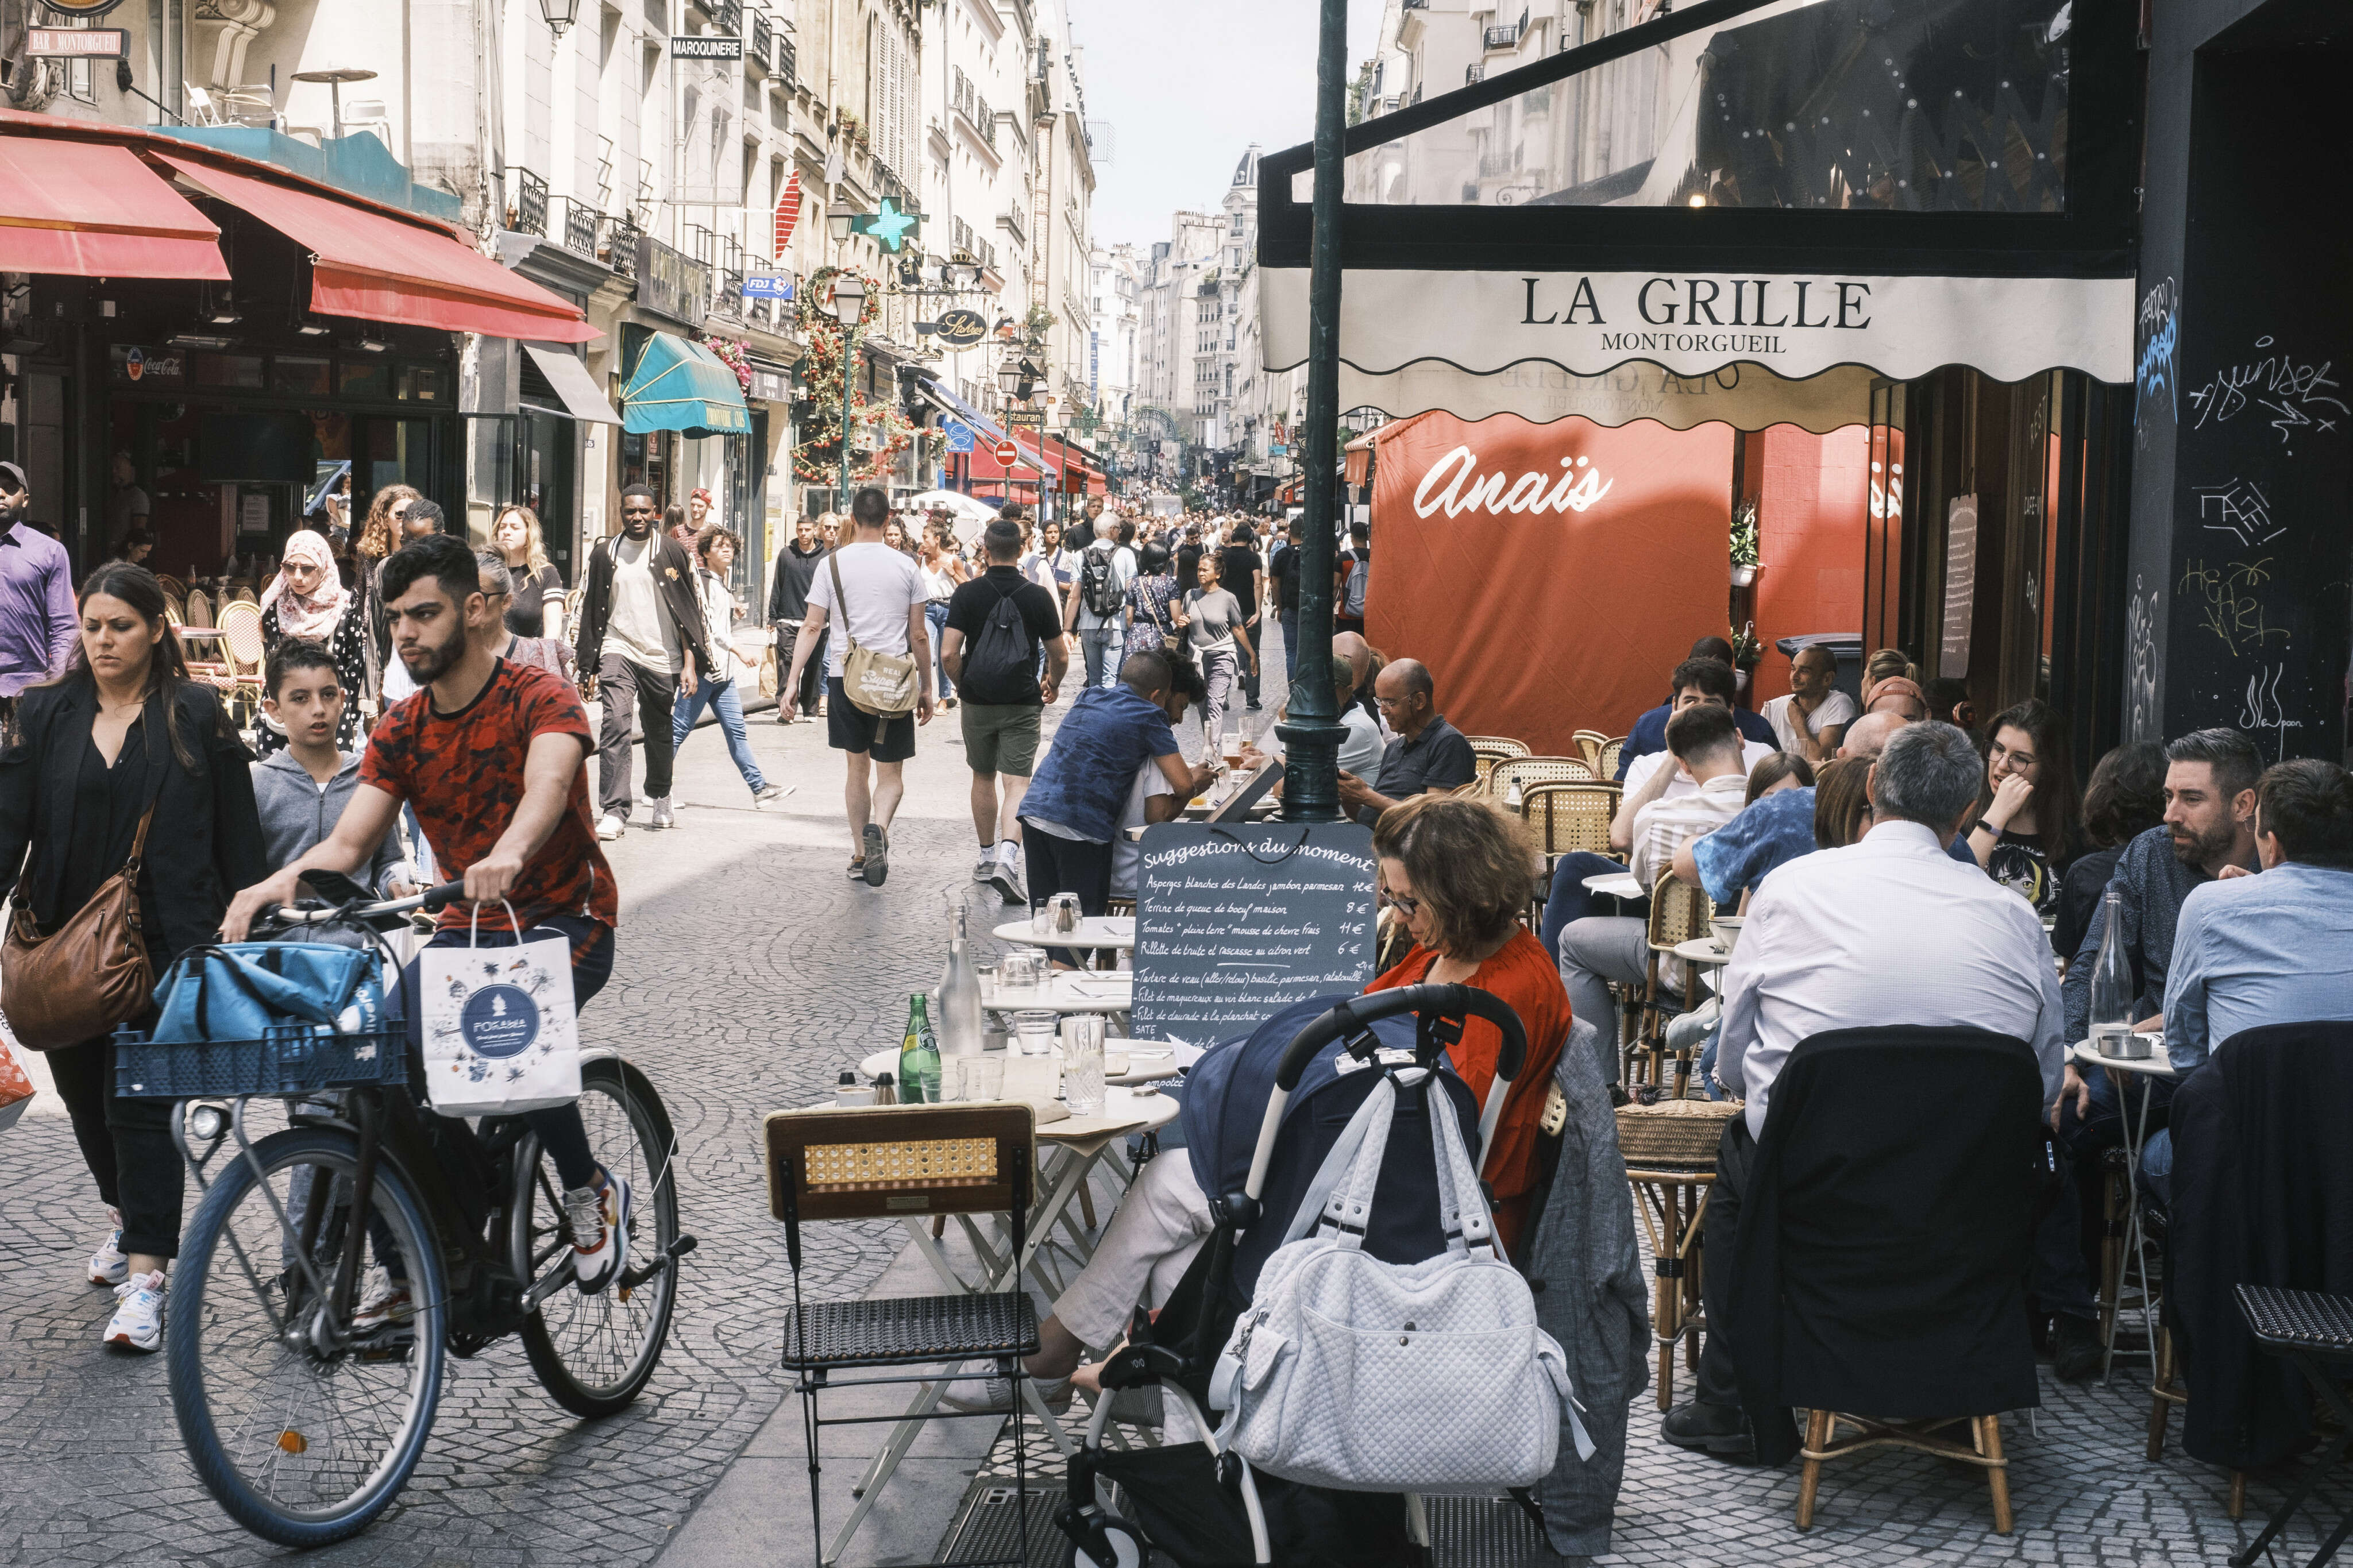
[(683, 386)]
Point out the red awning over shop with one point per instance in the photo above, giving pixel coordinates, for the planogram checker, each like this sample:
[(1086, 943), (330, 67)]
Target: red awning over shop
[(370, 264), (87, 209)]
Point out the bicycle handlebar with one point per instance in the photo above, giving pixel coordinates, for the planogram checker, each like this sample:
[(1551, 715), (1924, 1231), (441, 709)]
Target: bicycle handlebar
[(432, 901)]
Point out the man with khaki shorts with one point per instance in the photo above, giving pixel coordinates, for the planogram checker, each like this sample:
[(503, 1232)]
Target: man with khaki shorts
[(997, 623)]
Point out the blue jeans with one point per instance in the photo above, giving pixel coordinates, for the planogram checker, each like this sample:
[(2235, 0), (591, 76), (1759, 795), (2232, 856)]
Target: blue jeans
[(1290, 620), (935, 615), (720, 696), (1571, 901)]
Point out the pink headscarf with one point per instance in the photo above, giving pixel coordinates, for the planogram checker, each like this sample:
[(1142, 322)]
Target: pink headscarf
[(317, 615)]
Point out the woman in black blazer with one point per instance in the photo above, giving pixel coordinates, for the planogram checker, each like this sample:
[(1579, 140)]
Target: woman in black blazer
[(122, 726)]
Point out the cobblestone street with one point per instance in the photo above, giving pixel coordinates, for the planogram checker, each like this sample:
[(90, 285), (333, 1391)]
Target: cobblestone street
[(750, 972)]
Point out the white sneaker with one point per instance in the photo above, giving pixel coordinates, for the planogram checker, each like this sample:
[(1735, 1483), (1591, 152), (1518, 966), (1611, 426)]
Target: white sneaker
[(766, 793), (609, 827), (979, 1394), (986, 867), (109, 1265), (664, 815), (602, 1215), (384, 1301), (138, 1321), (1005, 875)]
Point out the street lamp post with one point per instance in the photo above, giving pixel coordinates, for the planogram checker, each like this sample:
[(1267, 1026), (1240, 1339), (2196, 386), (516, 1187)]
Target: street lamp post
[(1311, 790), (848, 304)]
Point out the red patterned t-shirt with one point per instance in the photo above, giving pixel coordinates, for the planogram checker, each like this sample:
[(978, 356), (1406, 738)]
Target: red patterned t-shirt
[(463, 773)]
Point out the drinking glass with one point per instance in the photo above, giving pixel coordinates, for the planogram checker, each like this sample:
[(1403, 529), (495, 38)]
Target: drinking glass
[(1018, 972), (979, 1078), (1082, 1064), (1033, 1031)]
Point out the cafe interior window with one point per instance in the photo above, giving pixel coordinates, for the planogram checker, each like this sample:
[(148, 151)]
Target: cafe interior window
[(241, 372), (365, 377), (301, 375), (421, 383)]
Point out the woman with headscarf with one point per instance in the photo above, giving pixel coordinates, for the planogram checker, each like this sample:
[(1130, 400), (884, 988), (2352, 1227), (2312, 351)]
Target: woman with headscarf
[(308, 600)]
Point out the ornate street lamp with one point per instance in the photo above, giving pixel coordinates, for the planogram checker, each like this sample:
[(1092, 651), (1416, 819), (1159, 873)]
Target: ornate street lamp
[(560, 15), (849, 305), (840, 221)]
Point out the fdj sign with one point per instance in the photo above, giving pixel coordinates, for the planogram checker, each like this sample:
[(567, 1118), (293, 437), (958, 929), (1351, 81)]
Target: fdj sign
[(694, 46)]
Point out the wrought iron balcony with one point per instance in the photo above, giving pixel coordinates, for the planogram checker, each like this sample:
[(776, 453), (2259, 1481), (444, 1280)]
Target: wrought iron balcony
[(729, 14), (529, 213), (1504, 38), (616, 243), (788, 57), (762, 45), (580, 222)]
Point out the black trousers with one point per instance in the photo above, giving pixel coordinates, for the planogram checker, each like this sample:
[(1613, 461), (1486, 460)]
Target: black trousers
[(1718, 1382), (627, 689), (812, 674), (1060, 865), (126, 1143)]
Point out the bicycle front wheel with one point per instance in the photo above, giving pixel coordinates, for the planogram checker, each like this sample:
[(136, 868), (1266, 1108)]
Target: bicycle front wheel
[(594, 1353), (302, 1426)]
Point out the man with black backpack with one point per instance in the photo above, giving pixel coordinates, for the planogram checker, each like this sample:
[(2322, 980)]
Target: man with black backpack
[(1098, 599), (997, 624)]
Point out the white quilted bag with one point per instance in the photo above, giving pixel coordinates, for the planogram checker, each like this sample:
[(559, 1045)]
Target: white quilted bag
[(1428, 1378)]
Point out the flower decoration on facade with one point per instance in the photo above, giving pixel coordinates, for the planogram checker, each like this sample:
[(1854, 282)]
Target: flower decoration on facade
[(881, 434), (735, 354)]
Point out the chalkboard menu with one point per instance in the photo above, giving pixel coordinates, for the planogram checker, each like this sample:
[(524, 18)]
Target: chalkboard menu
[(1234, 923)]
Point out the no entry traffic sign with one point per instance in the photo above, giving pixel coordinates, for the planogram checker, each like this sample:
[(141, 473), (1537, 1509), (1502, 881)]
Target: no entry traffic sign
[(1007, 453)]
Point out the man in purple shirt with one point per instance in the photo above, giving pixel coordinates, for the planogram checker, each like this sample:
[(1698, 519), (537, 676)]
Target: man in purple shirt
[(37, 619)]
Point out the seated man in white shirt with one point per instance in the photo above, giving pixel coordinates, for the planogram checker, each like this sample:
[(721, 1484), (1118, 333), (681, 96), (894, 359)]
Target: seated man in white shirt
[(1703, 748), (1360, 749), (1811, 720), (1889, 931)]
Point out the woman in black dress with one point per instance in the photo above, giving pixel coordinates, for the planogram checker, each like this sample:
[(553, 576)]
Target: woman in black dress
[(307, 599), (537, 609), (123, 729)]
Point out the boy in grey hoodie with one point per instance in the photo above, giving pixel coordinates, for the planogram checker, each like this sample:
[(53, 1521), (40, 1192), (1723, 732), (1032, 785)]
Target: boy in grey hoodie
[(304, 789)]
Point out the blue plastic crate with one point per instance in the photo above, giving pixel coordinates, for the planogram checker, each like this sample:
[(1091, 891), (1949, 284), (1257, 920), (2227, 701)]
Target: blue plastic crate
[(287, 1059)]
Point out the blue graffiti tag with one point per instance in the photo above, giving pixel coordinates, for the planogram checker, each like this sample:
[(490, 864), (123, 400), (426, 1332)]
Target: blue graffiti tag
[(2155, 373)]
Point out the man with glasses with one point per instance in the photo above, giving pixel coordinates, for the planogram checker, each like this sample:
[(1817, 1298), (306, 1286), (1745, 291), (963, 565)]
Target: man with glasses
[(1429, 755), (641, 633)]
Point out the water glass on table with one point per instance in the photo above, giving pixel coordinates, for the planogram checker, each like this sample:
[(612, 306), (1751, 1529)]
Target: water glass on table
[(1033, 1031), (1082, 1064), (1020, 972), (976, 1079)]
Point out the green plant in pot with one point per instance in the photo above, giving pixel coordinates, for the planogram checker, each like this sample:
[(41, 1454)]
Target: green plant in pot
[(1743, 544)]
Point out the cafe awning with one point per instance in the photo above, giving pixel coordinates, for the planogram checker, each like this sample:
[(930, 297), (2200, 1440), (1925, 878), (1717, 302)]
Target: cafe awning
[(1741, 211), (984, 464), (368, 263), (683, 386), (87, 209), (568, 386)]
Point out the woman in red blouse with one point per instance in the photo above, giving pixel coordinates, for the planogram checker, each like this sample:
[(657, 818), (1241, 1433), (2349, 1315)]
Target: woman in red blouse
[(1458, 873)]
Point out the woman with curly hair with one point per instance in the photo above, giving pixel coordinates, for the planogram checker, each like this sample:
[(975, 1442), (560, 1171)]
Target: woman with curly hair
[(379, 536)]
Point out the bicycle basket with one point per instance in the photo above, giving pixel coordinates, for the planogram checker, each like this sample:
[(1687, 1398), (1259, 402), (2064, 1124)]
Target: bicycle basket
[(285, 1059), (264, 1018)]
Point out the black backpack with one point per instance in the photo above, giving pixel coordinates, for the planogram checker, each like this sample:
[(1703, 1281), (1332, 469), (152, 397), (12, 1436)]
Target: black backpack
[(1004, 657), (1097, 590)]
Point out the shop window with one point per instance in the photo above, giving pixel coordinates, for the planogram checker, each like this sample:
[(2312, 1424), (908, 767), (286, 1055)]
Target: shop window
[(299, 375), (421, 383), (368, 379), (241, 371)]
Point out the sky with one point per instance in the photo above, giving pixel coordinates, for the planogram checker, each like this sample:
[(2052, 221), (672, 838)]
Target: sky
[(1185, 87)]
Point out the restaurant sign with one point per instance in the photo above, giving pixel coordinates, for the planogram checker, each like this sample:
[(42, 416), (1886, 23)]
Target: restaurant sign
[(136, 364), (1795, 325), (672, 283)]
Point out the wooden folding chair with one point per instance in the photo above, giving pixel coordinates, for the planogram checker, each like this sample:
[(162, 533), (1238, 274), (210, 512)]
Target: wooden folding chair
[(1679, 911), (894, 1163)]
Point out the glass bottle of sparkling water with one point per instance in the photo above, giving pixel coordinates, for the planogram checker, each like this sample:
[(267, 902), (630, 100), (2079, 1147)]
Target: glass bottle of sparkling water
[(919, 1057), (2111, 982), (960, 1024)]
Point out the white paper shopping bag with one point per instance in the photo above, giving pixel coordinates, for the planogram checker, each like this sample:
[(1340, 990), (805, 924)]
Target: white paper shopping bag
[(499, 1034)]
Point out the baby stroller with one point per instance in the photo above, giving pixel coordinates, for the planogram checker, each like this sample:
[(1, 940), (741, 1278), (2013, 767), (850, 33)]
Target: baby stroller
[(1311, 1067)]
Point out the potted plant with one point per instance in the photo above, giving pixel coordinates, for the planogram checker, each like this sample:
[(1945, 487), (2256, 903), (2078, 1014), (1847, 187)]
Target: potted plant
[(1747, 653), (1744, 545)]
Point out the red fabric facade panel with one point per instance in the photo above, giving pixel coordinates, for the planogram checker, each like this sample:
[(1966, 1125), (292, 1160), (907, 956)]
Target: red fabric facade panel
[(1810, 512), (379, 267), (87, 209), (1550, 575)]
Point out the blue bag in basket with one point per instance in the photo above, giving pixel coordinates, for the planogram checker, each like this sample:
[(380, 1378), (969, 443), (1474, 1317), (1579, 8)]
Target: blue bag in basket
[(239, 991)]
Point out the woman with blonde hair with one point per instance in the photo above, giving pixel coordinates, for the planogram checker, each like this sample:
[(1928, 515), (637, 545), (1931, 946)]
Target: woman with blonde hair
[(1458, 873), (537, 608)]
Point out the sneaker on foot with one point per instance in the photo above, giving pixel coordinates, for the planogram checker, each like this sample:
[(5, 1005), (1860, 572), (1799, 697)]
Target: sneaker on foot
[(384, 1301), (979, 1394), (609, 826), (858, 867), (1005, 875), (877, 856), (599, 1221), (768, 791), (985, 867), (664, 814), (109, 1265), (138, 1321)]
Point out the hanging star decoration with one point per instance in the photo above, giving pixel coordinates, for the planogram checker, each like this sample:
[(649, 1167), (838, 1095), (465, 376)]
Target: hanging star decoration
[(888, 225)]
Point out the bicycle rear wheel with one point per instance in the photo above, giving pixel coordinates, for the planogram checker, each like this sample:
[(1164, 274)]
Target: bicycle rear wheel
[(300, 1430), (594, 1353)]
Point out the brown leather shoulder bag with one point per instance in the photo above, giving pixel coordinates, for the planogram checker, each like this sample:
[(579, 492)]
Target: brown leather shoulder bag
[(91, 973)]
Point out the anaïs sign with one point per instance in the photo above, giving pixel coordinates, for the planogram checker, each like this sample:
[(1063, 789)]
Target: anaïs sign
[(1549, 575)]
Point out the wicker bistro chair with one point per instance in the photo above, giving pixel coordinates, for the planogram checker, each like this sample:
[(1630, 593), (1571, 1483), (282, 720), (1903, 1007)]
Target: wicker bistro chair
[(240, 627), (1569, 816), (1607, 763), (902, 1163), (1679, 912), (1524, 771), (1489, 750), (1669, 1150), (1589, 744), (2313, 1332), (199, 609)]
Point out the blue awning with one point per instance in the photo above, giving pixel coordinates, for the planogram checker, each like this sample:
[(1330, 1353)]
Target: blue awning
[(989, 428), (683, 386)]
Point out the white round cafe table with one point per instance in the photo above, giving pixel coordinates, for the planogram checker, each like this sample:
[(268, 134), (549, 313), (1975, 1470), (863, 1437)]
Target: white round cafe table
[(1116, 932), (1069, 991), (1139, 1071), (1615, 884)]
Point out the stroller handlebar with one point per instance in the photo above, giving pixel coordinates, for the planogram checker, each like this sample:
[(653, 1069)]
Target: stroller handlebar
[(1446, 1001)]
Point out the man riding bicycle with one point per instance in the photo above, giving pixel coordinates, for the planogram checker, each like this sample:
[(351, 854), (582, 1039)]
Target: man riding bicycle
[(492, 755)]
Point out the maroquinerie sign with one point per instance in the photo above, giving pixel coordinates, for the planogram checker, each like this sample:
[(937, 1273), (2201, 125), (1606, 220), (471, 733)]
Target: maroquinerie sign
[(1690, 324)]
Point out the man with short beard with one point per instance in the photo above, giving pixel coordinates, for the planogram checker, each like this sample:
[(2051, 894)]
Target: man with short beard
[(641, 634)]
